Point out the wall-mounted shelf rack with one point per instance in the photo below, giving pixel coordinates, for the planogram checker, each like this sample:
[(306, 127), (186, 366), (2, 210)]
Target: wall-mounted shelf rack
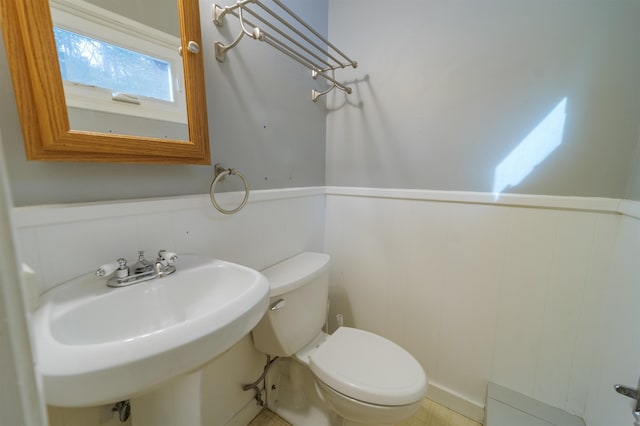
[(283, 30)]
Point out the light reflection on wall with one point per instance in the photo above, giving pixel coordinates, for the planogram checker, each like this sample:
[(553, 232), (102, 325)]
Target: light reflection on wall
[(533, 150)]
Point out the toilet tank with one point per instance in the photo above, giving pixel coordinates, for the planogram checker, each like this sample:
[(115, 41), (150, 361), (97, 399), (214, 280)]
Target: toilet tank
[(297, 306)]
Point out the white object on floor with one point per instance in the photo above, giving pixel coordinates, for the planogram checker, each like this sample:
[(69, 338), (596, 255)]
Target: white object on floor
[(507, 408)]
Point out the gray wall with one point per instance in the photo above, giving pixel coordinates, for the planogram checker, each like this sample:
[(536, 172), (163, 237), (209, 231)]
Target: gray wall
[(159, 14), (261, 122), (634, 181), (445, 90)]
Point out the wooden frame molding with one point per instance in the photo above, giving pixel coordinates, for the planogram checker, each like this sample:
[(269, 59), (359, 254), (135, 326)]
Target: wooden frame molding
[(28, 36)]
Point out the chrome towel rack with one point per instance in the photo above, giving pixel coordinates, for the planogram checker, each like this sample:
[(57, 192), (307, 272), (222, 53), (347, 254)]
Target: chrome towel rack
[(275, 28)]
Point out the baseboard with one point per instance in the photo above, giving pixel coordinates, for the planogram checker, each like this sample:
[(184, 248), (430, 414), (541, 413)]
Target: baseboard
[(508, 407), (455, 402), (246, 414)]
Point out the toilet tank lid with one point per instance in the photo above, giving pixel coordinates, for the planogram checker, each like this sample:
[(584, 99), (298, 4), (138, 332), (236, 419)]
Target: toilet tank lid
[(295, 271)]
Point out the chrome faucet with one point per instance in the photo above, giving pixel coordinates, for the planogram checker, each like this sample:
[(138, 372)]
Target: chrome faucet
[(122, 276), (163, 264)]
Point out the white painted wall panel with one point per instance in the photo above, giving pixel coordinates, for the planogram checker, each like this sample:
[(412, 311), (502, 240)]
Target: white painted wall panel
[(531, 234), (476, 239), (569, 269), (481, 291), (539, 298), (588, 350), (61, 242), (619, 342)]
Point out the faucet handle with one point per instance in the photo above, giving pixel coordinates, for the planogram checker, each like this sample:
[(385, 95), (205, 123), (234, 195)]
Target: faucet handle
[(119, 267), (123, 269), (170, 257), (167, 256), (107, 269)]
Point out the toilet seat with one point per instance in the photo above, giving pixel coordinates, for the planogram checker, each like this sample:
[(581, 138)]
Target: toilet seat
[(369, 368)]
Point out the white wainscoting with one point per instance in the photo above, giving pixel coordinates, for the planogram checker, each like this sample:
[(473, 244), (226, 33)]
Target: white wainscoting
[(517, 291), (618, 349), (64, 241), (535, 293)]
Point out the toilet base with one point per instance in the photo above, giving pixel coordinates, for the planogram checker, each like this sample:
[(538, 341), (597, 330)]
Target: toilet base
[(294, 397)]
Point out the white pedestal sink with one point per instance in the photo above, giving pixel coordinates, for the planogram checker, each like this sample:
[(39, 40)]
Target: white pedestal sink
[(97, 345), (177, 403)]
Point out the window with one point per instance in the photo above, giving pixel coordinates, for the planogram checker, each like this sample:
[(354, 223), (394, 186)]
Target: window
[(112, 64), (92, 62)]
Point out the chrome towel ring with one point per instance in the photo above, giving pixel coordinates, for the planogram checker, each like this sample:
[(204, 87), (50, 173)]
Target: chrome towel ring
[(221, 172)]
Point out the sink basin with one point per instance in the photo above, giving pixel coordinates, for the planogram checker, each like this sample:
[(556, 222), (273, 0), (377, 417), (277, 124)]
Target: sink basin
[(96, 345)]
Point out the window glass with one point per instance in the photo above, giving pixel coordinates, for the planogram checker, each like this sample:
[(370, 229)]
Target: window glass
[(94, 62)]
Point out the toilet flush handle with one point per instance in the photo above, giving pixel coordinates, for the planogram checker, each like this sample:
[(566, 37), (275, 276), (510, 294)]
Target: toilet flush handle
[(278, 304)]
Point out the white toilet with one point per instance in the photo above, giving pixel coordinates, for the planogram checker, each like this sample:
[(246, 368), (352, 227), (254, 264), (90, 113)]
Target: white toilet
[(365, 378)]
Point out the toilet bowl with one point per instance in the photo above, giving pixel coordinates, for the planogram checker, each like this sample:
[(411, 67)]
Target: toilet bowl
[(362, 413), (364, 378)]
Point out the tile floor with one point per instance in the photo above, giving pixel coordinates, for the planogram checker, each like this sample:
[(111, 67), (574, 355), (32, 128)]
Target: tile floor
[(430, 414), (268, 418)]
